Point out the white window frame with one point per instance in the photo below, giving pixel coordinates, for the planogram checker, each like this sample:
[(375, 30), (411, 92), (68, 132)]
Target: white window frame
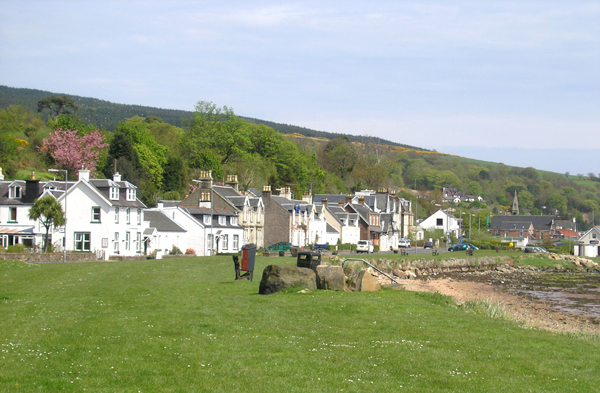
[(12, 214), (130, 194), (128, 215), (225, 242), (206, 219), (96, 211), (15, 192), (222, 220), (234, 221), (114, 193), (138, 239), (81, 243), (116, 241), (139, 216), (116, 215), (236, 242), (127, 241)]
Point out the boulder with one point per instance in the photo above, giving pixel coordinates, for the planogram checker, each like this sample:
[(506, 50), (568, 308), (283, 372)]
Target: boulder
[(363, 282), (276, 278), (351, 267), (330, 278)]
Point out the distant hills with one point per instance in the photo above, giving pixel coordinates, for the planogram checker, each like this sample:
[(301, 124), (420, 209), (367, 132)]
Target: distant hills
[(107, 115)]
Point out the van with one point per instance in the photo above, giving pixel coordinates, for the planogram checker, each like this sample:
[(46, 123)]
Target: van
[(404, 243), (364, 246)]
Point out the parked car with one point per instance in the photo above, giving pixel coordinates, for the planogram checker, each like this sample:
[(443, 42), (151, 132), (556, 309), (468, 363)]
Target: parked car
[(460, 247), (404, 243), (428, 245), (364, 246), (534, 249), (473, 247), (281, 246)]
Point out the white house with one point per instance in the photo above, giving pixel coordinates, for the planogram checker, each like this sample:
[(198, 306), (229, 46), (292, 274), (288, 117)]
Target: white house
[(104, 216), (441, 220), (588, 244), (163, 234)]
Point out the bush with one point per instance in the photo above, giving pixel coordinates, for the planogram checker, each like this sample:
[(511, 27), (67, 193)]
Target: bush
[(189, 251), (16, 248), (347, 246), (175, 251)]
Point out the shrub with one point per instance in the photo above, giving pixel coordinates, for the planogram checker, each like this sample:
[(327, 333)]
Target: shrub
[(16, 248), (189, 251), (175, 251)]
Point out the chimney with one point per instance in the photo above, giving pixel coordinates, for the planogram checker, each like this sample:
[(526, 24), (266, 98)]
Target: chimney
[(266, 192), (348, 198), (32, 191), (325, 202), (84, 174), (117, 176), (232, 182), (341, 202), (361, 200), (205, 180), (307, 197)]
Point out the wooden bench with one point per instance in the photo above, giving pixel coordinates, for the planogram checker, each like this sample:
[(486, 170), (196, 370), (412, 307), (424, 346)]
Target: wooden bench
[(403, 251), (435, 252), (469, 251)]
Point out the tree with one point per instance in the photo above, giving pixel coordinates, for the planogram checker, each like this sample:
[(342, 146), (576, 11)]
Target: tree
[(57, 105), (73, 152), (49, 212)]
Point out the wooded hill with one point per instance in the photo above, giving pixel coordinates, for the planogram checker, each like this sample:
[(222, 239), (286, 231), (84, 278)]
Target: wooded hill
[(161, 151)]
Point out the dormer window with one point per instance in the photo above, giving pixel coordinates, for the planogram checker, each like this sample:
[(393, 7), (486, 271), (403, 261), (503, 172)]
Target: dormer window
[(114, 193), (222, 220), (131, 194), (15, 192), (234, 220)]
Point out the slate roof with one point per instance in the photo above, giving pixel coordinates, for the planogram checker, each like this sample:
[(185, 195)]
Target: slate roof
[(103, 186), (161, 221), (330, 229), (540, 223), (332, 199)]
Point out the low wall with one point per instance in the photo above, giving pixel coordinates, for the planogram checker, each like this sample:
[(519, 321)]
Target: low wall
[(54, 257)]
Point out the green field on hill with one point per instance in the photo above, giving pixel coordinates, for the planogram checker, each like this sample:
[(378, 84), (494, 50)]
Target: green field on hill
[(185, 325)]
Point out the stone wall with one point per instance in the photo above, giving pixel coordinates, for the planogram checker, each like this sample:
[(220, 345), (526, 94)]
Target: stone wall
[(48, 257)]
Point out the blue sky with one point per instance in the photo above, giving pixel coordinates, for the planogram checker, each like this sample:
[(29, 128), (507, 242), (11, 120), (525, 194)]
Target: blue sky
[(463, 77)]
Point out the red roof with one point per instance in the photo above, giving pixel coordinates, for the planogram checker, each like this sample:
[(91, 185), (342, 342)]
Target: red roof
[(567, 233)]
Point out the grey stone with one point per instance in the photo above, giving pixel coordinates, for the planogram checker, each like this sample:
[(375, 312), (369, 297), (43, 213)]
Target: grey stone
[(330, 278), (276, 278), (363, 282)]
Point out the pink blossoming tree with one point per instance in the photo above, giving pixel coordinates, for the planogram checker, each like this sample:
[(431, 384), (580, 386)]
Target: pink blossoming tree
[(73, 152)]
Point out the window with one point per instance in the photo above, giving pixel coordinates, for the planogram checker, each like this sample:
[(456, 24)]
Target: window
[(209, 242), (15, 192), (206, 219), (236, 242), (116, 215), (95, 214), (82, 241), (116, 246), (13, 214), (138, 244), (114, 193), (439, 222), (222, 220), (139, 216), (225, 242), (131, 194), (234, 220), (127, 241), (128, 215)]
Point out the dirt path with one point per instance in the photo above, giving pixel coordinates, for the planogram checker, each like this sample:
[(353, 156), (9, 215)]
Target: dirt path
[(532, 313)]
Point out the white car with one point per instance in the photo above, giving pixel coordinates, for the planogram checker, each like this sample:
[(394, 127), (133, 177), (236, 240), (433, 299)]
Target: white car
[(364, 246), (404, 243)]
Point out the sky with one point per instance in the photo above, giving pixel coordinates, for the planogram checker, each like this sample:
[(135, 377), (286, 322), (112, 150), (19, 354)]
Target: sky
[(519, 80)]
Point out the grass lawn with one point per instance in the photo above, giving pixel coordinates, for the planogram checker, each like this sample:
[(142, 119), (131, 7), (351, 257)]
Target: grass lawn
[(184, 325)]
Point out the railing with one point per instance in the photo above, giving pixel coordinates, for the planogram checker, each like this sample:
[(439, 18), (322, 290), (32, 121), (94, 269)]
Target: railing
[(368, 263)]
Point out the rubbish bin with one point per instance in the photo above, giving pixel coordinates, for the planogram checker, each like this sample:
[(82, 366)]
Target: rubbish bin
[(281, 253), (309, 260), (294, 251), (248, 257)]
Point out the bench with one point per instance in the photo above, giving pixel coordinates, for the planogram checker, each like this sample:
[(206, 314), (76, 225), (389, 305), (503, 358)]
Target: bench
[(469, 251), (403, 251), (435, 252)]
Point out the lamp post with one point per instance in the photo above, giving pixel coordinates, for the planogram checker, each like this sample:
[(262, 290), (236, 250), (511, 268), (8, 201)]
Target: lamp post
[(65, 236)]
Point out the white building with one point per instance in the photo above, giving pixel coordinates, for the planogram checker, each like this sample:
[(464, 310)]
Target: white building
[(442, 220), (588, 244)]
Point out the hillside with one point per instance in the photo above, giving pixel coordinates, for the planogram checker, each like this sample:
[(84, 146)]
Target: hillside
[(107, 115)]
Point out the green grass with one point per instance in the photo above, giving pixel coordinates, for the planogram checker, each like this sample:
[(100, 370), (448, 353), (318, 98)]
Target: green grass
[(184, 325)]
